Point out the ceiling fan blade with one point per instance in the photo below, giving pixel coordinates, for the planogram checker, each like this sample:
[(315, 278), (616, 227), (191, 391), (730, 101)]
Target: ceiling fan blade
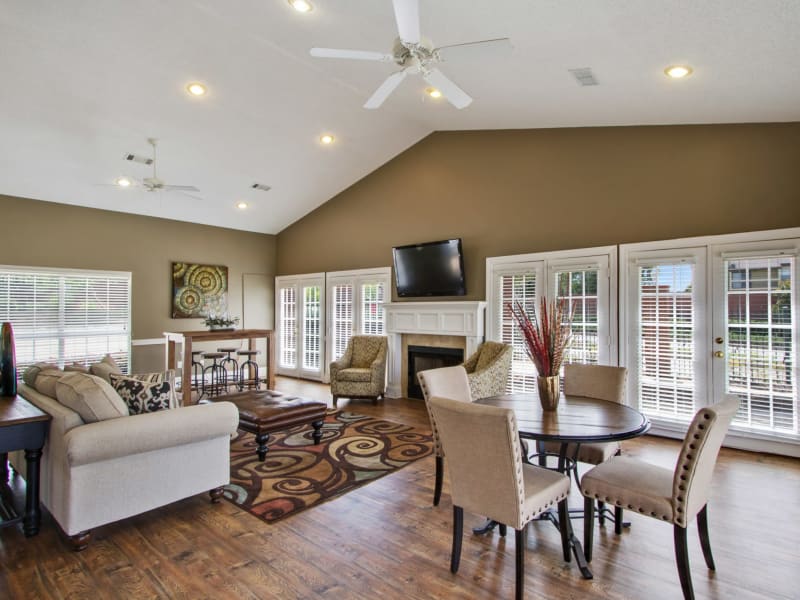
[(406, 13), (454, 94), (352, 54), (385, 89), (179, 188), (493, 48), (185, 194)]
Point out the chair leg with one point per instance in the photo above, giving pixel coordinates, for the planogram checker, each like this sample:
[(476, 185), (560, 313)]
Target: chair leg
[(317, 435), (705, 543), (618, 520), (437, 486), (521, 539), (458, 533), (601, 512), (335, 400), (563, 525), (503, 529), (682, 560), (588, 527)]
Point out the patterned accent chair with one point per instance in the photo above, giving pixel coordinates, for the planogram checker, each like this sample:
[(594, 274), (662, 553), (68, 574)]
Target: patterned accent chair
[(673, 496), (488, 369), (361, 371)]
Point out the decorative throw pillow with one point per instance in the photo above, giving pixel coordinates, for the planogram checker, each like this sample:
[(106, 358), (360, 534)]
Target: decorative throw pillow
[(46, 381), (105, 367), (142, 396), (29, 375), (168, 376), (77, 368), (89, 396)]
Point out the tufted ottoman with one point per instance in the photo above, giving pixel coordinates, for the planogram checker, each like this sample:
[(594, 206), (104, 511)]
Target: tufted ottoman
[(262, 412)]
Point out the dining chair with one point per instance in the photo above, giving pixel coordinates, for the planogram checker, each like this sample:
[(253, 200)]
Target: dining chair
[(675, 496), (603, 383), (490, 478), (447, 382)]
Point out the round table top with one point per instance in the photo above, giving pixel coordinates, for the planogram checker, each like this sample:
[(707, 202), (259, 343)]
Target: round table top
[(577, 419)]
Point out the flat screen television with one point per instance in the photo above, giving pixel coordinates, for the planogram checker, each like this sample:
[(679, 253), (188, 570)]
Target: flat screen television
[(429, 269)]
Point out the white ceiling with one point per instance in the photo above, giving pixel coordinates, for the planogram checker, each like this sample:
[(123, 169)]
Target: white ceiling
[(83, 82)]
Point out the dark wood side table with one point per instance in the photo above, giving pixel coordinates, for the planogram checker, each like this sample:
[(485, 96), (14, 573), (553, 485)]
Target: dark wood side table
[(22, 427)]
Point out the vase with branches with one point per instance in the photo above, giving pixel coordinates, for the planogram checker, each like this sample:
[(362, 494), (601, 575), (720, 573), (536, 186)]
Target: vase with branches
[(547, 335)]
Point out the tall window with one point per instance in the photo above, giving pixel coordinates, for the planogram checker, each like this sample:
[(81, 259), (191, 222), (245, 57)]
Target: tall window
[(517, 288), (288, 326), (65, 316), (372, 299), (342, 318), (577, 288), (312, 329)]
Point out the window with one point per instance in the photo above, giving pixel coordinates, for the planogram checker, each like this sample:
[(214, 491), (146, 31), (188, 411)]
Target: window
[(301, 315), (65, 316)]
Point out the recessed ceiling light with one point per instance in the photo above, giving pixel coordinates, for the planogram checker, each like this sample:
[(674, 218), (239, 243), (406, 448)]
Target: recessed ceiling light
[(123, 182), (196, 89), (433, 93), (678, 71), (301, 6), (327, 139), (241, 205)]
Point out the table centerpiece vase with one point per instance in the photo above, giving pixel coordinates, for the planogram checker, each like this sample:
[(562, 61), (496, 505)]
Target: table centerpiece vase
[(547, 336)]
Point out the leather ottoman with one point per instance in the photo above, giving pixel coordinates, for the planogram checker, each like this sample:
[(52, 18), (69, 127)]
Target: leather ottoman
[(262, 412)]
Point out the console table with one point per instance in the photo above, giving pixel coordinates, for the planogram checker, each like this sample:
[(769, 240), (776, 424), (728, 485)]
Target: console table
[(188, 337), (22, 427)]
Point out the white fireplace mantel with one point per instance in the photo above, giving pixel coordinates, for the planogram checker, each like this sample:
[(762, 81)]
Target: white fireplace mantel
[(463, 318)]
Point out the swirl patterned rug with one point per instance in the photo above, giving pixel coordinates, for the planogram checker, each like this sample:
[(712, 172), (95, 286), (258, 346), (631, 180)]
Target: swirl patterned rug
[(297, 474)]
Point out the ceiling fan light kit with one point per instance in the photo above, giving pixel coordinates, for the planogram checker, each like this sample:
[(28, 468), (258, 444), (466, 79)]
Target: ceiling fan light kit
[(415, 55)]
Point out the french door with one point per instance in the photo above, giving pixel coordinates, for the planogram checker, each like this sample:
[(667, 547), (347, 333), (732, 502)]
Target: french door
[(584, 280), (300, 306), (355, 306), (707, 320)]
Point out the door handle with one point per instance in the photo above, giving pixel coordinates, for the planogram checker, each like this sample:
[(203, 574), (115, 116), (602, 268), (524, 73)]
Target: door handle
[(719, 354), (719, 340)]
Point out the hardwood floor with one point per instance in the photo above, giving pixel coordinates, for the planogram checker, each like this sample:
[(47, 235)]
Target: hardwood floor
[(387, 540)]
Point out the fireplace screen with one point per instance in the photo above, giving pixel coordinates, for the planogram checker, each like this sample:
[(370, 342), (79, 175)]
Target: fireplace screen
[(422, 358)]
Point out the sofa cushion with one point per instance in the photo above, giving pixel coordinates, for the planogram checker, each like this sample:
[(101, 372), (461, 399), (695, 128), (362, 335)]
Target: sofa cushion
[(105, 367), (77, 367), (90, 396), (46, 381), (142, 396), (160, 377), (29, 375)]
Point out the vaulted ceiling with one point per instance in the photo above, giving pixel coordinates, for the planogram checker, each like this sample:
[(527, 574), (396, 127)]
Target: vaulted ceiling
[(85, 82)]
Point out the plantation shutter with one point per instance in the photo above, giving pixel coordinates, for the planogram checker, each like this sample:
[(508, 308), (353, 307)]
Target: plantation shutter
[(666, 325), (342, 326), (312, 327), (372, 299), (64, 316), (516, 287), (288, 327)]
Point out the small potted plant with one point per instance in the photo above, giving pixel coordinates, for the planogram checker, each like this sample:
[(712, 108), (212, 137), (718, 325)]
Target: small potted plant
[(223, 323), (547, 337)]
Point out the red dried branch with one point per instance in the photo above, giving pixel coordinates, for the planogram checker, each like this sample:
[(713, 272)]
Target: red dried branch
[(547, 336)]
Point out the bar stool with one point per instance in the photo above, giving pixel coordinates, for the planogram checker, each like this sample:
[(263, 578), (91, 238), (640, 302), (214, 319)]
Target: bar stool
[(252, 365), (218, 374), (197, 369), (229, 360)]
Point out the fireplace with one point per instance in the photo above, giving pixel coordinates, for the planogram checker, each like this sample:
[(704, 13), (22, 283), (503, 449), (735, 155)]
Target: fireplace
[(422, 358)]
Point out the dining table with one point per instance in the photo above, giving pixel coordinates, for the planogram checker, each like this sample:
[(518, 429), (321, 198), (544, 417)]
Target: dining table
[(577, 420)]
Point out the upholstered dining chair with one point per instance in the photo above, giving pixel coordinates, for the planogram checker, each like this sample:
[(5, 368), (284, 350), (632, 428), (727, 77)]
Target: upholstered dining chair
[(488, 369), (361, 371), (447, 382), (675, 496), (604, 383), (490, 478)]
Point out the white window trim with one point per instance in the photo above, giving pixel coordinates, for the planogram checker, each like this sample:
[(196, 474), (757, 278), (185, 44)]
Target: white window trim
[(497, 265)]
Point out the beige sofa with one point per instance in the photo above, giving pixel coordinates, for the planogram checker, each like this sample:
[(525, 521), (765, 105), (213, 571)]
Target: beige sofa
[(97, 473)]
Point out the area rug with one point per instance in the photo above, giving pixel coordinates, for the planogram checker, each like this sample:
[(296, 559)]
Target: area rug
[(297, 474)]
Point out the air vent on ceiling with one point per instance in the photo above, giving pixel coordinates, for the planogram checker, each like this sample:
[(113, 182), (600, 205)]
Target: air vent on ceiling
[(139, 159), (584, 76), (261, 186)]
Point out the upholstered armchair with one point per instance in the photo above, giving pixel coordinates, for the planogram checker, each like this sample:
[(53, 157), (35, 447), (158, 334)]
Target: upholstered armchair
[(488, 369), (361, 371), (673, 496)]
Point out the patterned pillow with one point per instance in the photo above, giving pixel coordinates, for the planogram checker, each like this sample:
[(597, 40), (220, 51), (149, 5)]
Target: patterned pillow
[(159, 377), (142, 396)]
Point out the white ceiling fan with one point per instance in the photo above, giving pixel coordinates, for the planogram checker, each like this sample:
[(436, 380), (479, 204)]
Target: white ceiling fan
[(415, 55), (154, 183)]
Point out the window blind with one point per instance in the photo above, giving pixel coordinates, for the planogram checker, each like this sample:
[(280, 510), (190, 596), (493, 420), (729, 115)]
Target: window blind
[(65, 316), (288, 351), (372, 299), (342, 318), (512, 288), (312, 332)]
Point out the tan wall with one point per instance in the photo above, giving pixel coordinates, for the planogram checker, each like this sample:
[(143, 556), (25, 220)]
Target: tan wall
[(58, 235), (511, 192)]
